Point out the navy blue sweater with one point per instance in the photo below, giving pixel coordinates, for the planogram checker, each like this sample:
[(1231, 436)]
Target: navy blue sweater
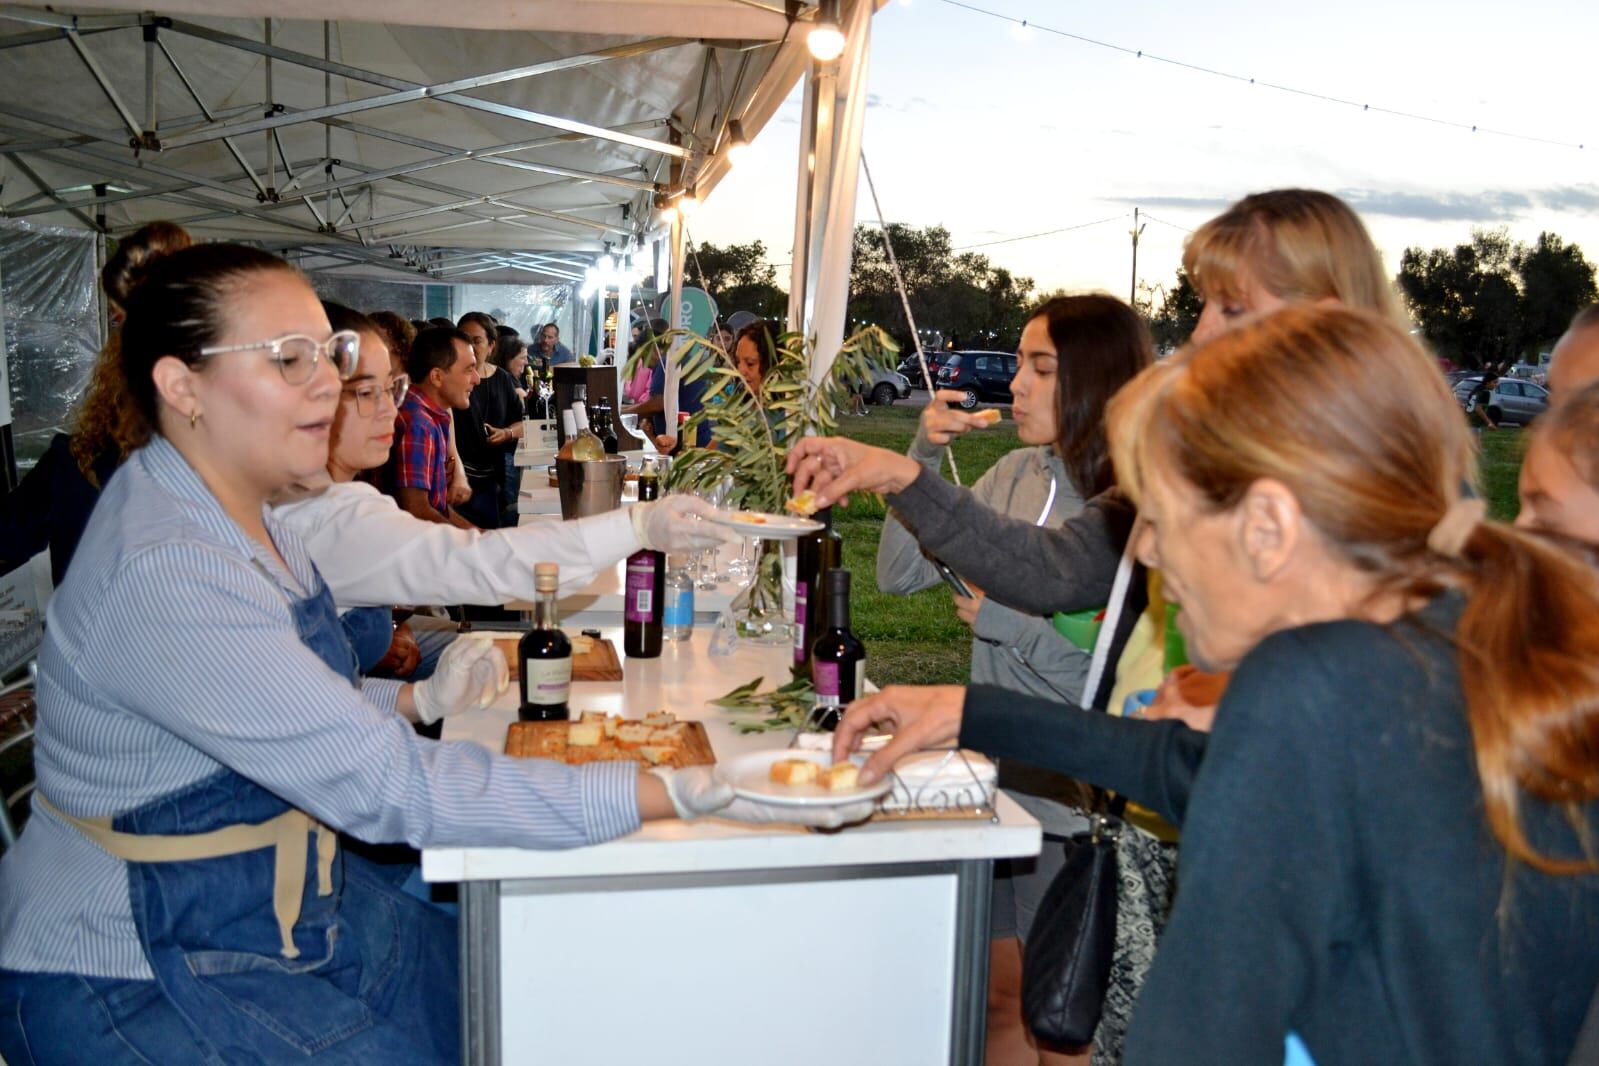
[(1337, 875)]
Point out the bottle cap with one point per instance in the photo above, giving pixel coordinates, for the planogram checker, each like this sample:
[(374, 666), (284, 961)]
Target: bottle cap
[(568, 423), (580, 416), (546, 576)]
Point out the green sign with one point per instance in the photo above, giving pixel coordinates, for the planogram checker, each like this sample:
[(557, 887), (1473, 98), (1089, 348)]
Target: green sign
[(699, 310)]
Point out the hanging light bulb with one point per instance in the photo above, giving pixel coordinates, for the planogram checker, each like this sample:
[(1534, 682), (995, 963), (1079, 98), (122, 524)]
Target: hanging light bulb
[(826, 40), (737, 145), (688, 203)]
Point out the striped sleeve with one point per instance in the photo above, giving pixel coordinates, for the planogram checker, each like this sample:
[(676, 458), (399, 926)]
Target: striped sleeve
[(226, 671)]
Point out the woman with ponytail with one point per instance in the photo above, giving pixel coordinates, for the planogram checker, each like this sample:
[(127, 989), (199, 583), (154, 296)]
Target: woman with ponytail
[(52, 504), (1388, 836)]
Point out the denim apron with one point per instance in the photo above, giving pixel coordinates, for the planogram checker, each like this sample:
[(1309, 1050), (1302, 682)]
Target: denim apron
[(370, 631), (371, 974)]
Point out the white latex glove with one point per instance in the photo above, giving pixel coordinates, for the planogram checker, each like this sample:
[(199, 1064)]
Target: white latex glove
[(676, 524), (696, 792), (471, 673)]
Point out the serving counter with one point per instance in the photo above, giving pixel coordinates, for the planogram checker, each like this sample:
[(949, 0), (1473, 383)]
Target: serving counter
[(715, 942)]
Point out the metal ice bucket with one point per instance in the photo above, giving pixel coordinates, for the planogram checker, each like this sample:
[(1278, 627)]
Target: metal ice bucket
[(592, 487)]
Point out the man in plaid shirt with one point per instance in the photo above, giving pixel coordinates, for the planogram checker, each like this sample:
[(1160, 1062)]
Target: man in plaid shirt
[(443, 374)]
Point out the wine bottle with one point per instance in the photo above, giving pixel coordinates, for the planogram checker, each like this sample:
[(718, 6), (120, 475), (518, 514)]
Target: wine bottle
[(838, 659), (583, 445), (604, 427), (545, 655), (645, 588), (815, 554)]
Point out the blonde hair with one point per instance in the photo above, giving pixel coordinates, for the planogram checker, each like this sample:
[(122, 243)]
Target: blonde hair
[(1301, 245), (1350, 413)]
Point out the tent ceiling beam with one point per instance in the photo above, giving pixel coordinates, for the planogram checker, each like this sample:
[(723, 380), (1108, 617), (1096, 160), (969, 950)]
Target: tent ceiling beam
[(106, 87), (39, 16), (24, 210), (448, 92), (44, 187), (210, 116)]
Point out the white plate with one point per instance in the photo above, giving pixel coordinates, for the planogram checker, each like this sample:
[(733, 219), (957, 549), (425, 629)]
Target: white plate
[(750, 776), (769, 526)]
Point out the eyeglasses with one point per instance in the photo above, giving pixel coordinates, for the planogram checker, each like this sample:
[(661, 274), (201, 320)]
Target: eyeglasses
[(297, 355), (368, 394)]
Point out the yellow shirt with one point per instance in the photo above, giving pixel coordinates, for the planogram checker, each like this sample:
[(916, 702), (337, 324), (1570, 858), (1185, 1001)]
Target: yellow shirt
[(1143, 666)]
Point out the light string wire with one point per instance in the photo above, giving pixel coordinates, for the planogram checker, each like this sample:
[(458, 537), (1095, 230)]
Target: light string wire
[(1139, 53)]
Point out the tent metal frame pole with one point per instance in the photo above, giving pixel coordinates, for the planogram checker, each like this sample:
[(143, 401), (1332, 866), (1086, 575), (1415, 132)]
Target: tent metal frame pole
[(447, 92), (210, 116), (140, 135), (44, 187)]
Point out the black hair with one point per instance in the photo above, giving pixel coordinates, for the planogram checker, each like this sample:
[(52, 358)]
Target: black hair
[(437, 323), (764, 332), (342, 318), (506, 349), (179, 307), (1100, 345), (483, 319), (434, 348)]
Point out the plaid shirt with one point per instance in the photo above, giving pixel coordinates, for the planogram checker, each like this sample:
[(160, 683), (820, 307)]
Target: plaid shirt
[(421, 450)]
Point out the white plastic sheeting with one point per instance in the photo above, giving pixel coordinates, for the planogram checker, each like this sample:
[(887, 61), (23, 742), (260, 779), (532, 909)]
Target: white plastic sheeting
[(50, 290)]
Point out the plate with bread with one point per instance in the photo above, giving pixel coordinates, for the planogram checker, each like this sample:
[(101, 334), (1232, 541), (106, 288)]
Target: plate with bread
[(765, 525), (789, 777)]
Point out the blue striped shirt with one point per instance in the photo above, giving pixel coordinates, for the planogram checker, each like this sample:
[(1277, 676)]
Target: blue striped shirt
[(169, 654)]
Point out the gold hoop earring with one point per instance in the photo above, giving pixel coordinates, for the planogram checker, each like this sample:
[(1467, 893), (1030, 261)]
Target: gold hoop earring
[(194, 418)]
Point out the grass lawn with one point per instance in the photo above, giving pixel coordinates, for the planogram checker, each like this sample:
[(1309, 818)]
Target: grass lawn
[(917, 639)]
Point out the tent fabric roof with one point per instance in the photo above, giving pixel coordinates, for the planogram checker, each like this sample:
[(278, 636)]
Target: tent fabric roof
[(511, 145)]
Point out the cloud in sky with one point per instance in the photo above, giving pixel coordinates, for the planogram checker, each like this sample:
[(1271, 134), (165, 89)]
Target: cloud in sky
[(1485, 206)]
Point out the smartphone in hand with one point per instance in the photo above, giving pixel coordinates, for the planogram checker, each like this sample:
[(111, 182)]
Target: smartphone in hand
[(952, 579)]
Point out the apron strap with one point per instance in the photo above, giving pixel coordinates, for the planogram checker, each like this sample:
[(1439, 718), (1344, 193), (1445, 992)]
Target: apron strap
[(285, 834)]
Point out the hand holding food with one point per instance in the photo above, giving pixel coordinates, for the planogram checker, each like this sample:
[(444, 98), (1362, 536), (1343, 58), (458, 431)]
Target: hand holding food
[(833, 467), (471, 673), (919, 716), (943, 423), (802, 504)]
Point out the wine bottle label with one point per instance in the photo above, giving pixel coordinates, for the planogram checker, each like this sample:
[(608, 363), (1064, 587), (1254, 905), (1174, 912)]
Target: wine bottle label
[(679, 605), (547, 680), (824, 678), (640, 601), (801, 600)]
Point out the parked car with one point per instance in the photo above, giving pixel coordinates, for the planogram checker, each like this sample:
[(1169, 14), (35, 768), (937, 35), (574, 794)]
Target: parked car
[(912, 368), (980, 375), (886, 386), (1519, 402)]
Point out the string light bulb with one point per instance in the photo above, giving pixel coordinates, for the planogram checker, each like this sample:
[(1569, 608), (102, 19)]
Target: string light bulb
[(687, 204), (826, 40), (738, 145)]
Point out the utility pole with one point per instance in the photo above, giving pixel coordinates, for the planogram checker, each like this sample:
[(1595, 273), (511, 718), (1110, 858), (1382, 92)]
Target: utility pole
[(1137, 229)]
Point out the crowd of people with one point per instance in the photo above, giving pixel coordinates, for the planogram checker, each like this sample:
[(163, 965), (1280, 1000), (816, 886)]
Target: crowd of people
[(1248, 590)]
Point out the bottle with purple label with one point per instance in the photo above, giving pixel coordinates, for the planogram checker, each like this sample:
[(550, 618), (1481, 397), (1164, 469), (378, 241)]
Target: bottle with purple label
[(544, 655), (838, 659), (815, 554), (644, 587)]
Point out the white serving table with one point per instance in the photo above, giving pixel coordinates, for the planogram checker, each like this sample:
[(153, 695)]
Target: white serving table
[(714, 942)]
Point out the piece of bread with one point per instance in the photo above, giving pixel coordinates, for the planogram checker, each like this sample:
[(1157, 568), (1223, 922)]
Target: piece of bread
[(632, 734), (660, 718), (989, 416), (584, 734), (594, 716), (794, 772), (840, 777), (657, 756), (803, 504), (609, 726), (672, 736)]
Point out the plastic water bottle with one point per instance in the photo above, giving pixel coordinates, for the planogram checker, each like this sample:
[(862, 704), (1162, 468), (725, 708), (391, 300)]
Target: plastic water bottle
[(678, 619)]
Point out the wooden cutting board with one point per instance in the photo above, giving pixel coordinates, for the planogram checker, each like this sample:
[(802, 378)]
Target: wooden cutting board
[(547, 740), (592, 660)]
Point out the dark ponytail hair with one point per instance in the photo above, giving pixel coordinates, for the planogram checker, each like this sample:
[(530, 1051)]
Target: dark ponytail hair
[(179, 308), (1100, 345), (104, 423)]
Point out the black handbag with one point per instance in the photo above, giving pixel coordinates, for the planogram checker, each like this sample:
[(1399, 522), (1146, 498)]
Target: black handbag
[(1067, 958)]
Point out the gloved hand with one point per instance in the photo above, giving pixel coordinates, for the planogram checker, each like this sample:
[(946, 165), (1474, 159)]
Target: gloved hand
[(696, 792), (471, 673), (675, 524)]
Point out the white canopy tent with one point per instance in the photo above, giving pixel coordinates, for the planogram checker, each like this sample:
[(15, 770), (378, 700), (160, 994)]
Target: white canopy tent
[(468, 142)]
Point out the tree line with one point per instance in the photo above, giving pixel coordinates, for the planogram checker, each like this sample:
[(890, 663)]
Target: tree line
[(1488, 301)]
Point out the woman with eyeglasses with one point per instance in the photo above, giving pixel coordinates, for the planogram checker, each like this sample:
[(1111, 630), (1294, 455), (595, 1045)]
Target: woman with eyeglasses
[(179, 895)]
